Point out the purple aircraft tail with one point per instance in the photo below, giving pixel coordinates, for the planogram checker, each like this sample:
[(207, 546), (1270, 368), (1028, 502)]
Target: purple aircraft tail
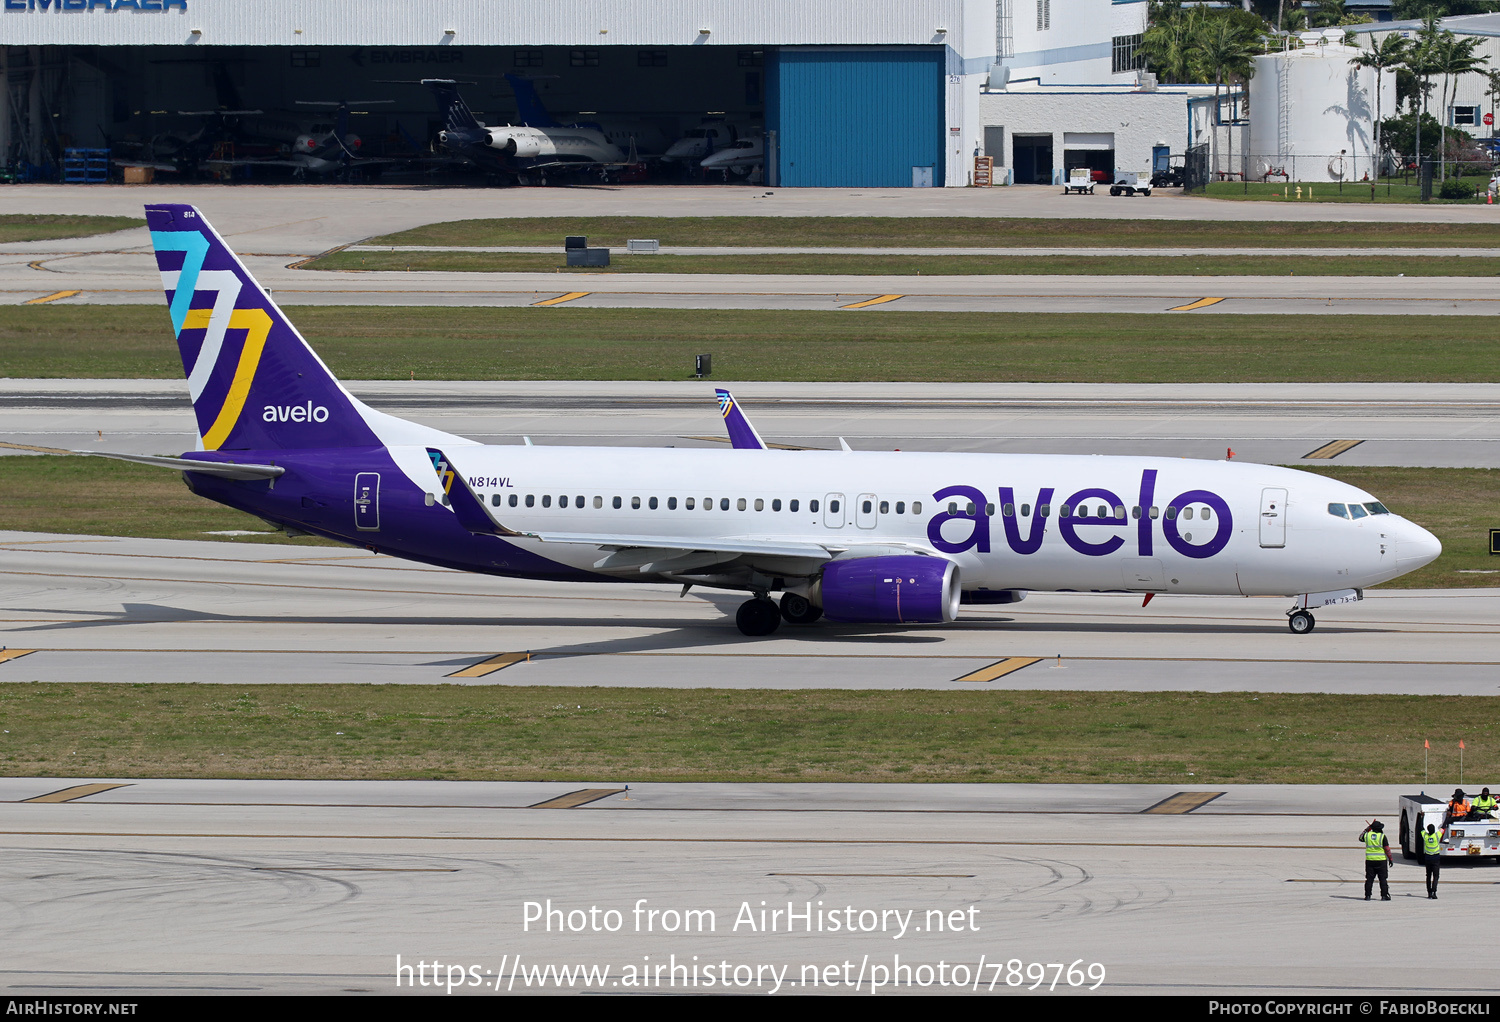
[(255, 383), (742, 435)]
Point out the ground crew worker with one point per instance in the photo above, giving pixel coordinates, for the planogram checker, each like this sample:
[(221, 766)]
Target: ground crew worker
[(1432, 854), (1458, 805), (1377, 859), (1486, 803)]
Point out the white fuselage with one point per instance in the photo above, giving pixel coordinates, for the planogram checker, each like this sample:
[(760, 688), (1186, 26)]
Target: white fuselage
[(1168, 525)]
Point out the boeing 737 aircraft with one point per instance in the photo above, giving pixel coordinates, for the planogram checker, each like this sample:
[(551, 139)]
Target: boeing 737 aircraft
[(866, 537)]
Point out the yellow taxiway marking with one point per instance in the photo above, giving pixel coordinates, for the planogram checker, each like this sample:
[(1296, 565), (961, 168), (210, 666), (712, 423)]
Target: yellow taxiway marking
[(881, 300), (1333, 449), (1182, 802), (1000, 668), (774, 447), (570, 296), (13, 654), (54, 296), (74, 793), (574, 799), (495, 663), (1201, 303)]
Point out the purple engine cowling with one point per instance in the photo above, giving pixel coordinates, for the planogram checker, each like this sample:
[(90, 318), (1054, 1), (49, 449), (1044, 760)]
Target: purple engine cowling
[(898, 589)]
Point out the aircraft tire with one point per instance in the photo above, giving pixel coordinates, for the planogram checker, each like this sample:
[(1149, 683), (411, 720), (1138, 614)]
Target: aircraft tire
[(758, 617), (799, 610), (1301, 623)]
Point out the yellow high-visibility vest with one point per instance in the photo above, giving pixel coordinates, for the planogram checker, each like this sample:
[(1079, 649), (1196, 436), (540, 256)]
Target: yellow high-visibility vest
[(1374, 845), (1432, 843)]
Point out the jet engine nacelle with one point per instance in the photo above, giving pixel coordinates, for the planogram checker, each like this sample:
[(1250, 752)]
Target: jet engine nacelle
[(897, 589), (516, 143)]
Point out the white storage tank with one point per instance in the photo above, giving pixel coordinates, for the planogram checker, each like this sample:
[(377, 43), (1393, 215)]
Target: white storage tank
[(1312, 113)]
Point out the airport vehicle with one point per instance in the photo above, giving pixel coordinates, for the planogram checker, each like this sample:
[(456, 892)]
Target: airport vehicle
[(1475, 836), (1080, 181), (1129, 183), (884, 538)]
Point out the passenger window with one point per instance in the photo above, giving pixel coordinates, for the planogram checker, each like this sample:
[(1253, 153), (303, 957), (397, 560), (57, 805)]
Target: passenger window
[(1119, 511), (1008, 510), (901, 507), (792, 506), (1025, 510), (530, 500), (1187, 513), (866, 507), (1203, 513), (708, 503), (969, 509), (1338, 510), (495, 500), (989, 510), (1135, 512), (615, 503), (776, 504), (1045, 510), (724, 504), (885, 507), (1171, 513), (671, 503), (512, 500), (689, 503), (1355, 511), (952, 508), (760, 505), (562, 501), (812, 506), (635, 503), (547, 500), (598, 502), (1062, 512), (652, 503), (739, 505), (833, 506), (1155, 512)]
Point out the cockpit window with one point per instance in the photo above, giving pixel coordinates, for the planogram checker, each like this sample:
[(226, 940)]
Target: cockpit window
[(1356, 511), (1375, 507), (1338, 510)]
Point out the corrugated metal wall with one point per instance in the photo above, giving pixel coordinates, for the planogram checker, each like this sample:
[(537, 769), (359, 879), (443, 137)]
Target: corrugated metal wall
[(856, 118)]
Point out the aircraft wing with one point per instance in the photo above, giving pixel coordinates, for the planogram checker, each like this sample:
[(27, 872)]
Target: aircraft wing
[(226, 470)]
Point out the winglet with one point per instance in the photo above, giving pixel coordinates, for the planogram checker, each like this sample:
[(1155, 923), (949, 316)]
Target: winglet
[(742, 435), (467, 508)]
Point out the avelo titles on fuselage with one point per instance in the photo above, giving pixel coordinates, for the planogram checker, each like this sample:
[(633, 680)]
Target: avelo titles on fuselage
[(870, 537)]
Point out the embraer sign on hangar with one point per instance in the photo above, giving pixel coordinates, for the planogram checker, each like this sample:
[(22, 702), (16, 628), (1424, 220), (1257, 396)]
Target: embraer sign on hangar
[(91, 5)]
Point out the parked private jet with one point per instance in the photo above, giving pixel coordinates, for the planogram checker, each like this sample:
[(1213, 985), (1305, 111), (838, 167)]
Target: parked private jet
[(884, 538)]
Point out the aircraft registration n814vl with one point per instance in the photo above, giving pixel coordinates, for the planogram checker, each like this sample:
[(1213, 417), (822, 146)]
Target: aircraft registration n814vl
[(864, 537)]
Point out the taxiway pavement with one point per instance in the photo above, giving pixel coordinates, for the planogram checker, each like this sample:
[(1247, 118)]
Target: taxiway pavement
[(222, 886)]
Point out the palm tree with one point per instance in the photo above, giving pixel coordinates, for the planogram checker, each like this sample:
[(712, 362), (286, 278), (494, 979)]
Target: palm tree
[(1387, 54), (1168, 44), (1225, 51), (1421, 61), (1452, 56)]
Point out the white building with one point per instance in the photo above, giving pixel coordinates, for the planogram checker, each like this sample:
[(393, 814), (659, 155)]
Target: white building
[(1469, 94)]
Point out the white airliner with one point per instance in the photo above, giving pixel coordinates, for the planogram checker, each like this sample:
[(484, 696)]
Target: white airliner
[(867, 537)]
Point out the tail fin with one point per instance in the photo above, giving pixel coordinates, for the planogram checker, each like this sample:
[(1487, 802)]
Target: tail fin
[(456, 113), (255, 383), (529, 106), (742, 435)]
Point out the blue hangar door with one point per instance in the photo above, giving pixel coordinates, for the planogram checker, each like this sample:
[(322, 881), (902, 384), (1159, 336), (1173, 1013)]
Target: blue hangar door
[(856, 118)]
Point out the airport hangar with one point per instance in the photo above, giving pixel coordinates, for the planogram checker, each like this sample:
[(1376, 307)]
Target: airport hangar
[(850, 93)]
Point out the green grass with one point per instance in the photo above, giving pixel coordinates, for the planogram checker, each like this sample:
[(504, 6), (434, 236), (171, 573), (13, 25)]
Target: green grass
[(42, 226), (1322, 191), (56, 341), (95, 496), (968, 232), (1207, 266), (99, 497), (1457, 505), (635, 735)]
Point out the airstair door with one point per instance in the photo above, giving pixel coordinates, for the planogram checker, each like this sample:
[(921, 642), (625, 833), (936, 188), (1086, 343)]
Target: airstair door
[(1272, 517), (367, 501)]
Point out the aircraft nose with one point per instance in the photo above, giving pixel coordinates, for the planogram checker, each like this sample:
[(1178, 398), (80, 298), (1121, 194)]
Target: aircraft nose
[(1415, 546)]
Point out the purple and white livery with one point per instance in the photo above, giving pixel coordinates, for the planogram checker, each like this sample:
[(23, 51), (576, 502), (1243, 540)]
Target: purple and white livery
[(885, 538)]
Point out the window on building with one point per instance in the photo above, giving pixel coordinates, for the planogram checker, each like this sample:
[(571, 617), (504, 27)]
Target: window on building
[(1126, 55), (1464, 116), (1043, 15), (527, 58), (583, 58), (650, 58), (752, 58), (306, 58)]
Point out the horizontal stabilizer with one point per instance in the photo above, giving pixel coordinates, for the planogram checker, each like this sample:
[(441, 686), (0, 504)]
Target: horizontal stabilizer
[(222, 469)]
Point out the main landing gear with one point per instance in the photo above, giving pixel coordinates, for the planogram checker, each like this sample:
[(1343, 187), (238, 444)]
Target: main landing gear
[(1300, 622), (761, 616)]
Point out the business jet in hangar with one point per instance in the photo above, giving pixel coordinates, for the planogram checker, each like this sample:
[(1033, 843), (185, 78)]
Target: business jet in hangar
[(884, 538)]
